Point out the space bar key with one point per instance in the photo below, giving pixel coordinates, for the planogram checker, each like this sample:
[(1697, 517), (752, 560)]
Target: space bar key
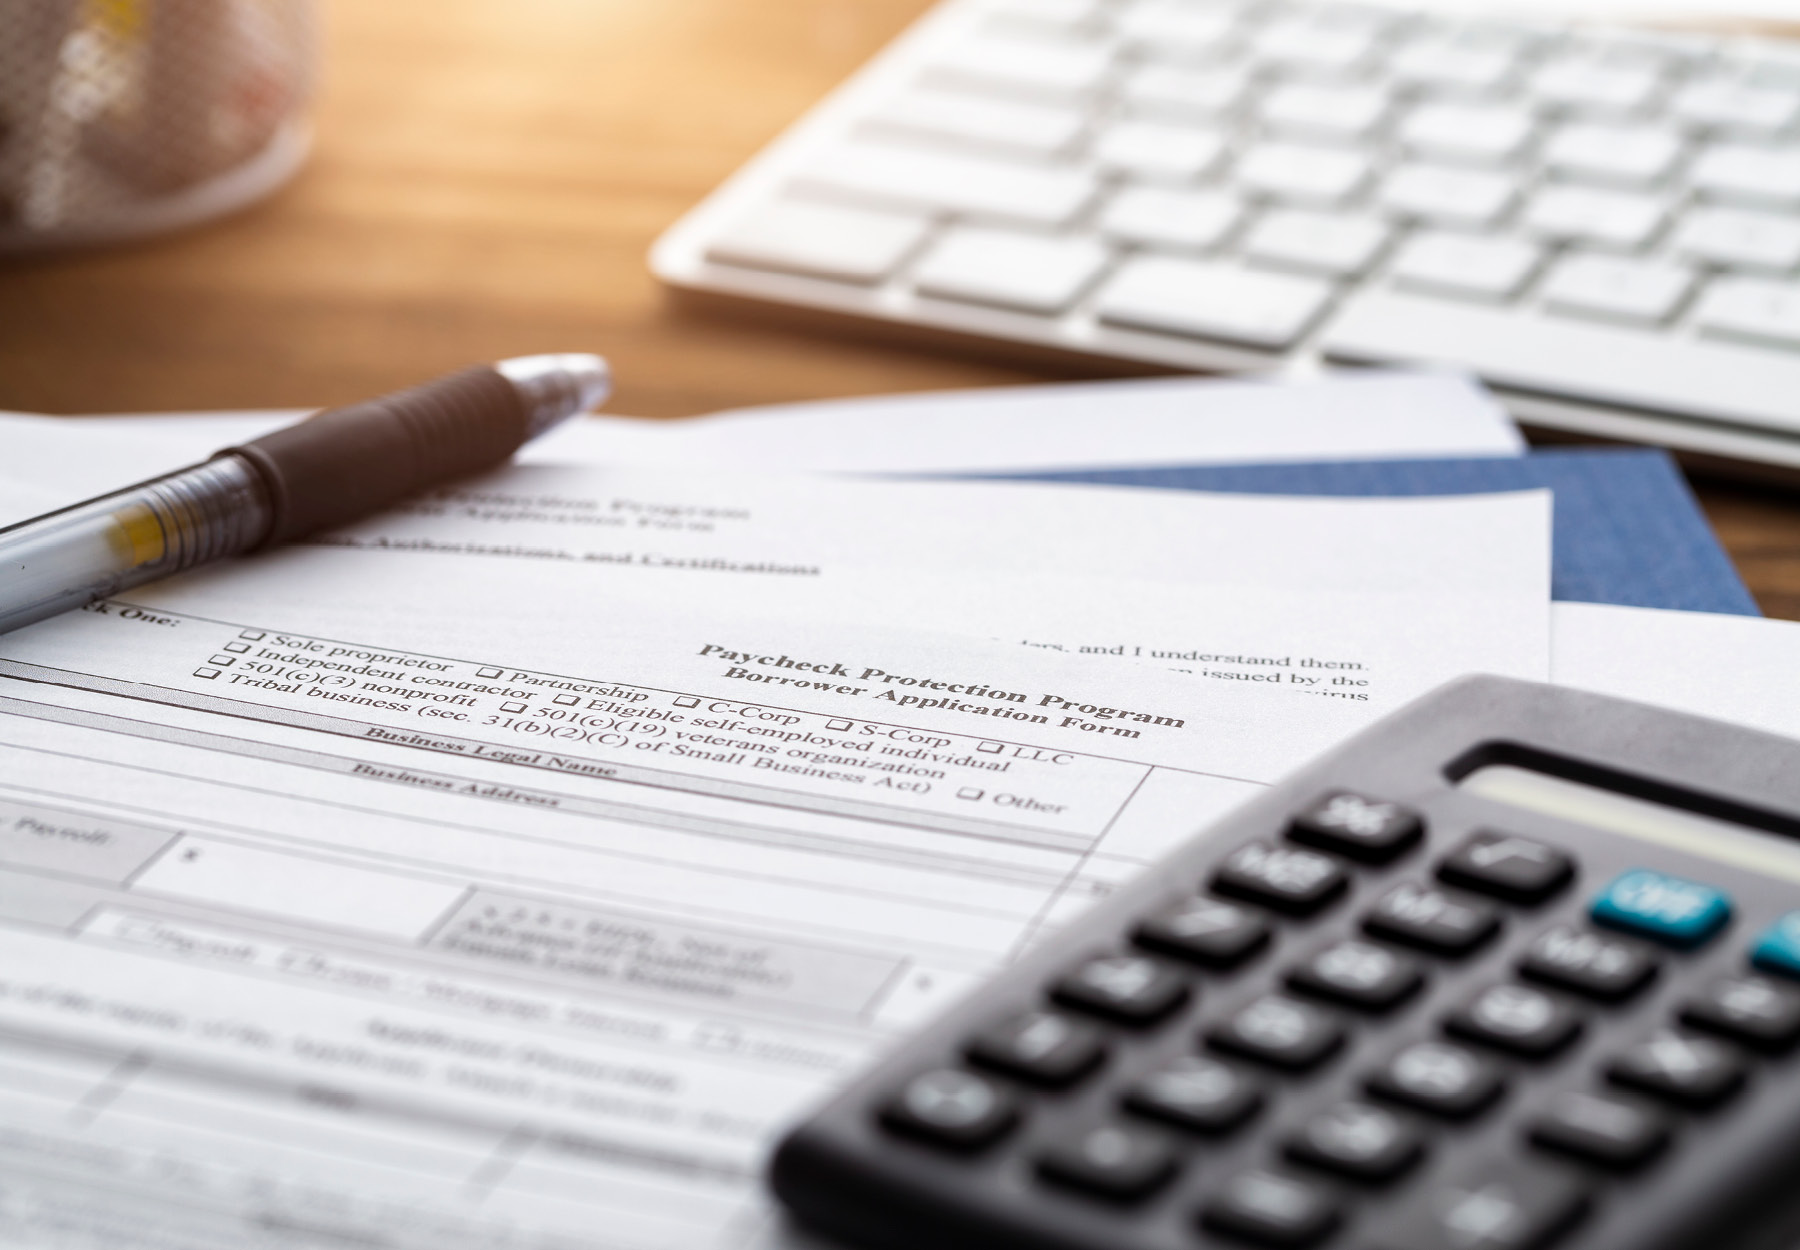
[(1573, 360)]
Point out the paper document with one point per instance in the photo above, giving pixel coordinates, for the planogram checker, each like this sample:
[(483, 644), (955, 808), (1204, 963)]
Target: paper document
[(1735, 668), (436, 885)]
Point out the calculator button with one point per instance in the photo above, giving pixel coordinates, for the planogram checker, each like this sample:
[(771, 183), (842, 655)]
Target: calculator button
[(1491, 1205), (1607, 968), (1197, 1093), (1042, 1047), (1205, 930), (1603, 1130), (1516, 869), (952, 1108), (1752, 1010), (1670, 909), (1358, 1140), (1693, 1071), (1777, 948), (1362, 828), (1359, 973), (1440, 1078), (1421, 916), (1125, 988), (1271, 1209), (1111, 1162), (1283, 877), (1516, 1018), (1279, 1031)]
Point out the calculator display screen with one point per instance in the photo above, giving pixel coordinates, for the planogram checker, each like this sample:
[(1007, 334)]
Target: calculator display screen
[(1720, 840)]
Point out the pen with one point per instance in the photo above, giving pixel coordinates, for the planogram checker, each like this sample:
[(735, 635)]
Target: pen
[(328, 470)]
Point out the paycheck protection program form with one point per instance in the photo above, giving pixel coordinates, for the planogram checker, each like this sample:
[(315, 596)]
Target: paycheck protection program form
[(388, 895)]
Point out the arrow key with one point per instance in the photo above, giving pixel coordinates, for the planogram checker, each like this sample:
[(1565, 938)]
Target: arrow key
[(1513, 868)]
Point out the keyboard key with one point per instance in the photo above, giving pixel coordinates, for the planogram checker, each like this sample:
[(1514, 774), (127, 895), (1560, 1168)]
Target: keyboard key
[(1739, 239), (1516, 869), (1516, 1018), (1621, 155), (1358, 1140), (1049, 68), (1341, 113), (1212, 301), (1322, 243), (1184, 91), (1368, 829), (1751, 310), (823, 240), (1205, 930), (1692, 1071), (1302, 174), (1197, 1093), (1360, 974), (1167, 217), (1036, 273), (1004, 125), (1585, 215), (1590, 360), (1723, 104), (1678, 912), (1438, 1077), (952, 1108), (1599, 1129), (1111, 1162), (1752, 1010), (1636, 292), (1756, 176), (1777, 948), (1282, 877), (1279, 1031), (1042, 1047), (1489, 1204), (1271, 1209), (1444, 196), (1465, 265), (1128, 989), (1459, 61), (1487, 134), (1594, 84), (1175, 28), (1421, 916), (1149, 149), (952, 182), (1327, 43), (1593, 964)]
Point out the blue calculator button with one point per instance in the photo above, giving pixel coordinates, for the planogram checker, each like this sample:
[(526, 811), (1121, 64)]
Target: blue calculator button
[(1670, 909), (1778, 948)]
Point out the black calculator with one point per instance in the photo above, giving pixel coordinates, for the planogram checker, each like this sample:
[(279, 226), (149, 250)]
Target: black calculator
[(1518, 967)]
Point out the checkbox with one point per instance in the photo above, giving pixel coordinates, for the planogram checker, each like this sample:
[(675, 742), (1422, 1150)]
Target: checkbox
[(251, 635), (208, 673), (237, 648), (223, 661), (568, 700), (487, 672), (839, 725), (970, 792), (687, 700), (512, 707), (992, 748)]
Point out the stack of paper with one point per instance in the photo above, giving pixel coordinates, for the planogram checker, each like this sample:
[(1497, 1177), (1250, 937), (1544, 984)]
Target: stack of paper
[(505, 871)]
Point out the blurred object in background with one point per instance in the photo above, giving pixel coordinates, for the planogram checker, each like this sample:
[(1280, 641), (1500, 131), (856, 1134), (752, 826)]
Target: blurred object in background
[(121, 118)]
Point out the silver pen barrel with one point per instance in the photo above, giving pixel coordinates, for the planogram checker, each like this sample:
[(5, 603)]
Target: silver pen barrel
[(329, 470)]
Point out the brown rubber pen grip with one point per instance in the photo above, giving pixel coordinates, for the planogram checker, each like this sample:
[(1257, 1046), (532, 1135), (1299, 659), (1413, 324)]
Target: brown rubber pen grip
[(347, 463)]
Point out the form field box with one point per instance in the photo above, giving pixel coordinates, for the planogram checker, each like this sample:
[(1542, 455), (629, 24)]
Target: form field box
[(687, 700), (207, 673), (251, 635), (839, 725), (990, 748), (338, 896), (487, 672), (512, 707), (969, 792), (568, 700), (223, 661)]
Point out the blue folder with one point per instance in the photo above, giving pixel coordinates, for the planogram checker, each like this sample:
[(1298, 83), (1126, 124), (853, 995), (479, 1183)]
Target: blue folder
[(1627, 529)]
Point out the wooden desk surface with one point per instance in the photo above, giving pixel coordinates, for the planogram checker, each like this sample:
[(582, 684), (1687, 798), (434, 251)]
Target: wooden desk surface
[(488, 178)]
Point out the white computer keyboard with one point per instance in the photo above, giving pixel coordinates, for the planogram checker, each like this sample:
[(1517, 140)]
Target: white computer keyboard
[(1603, 224)]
